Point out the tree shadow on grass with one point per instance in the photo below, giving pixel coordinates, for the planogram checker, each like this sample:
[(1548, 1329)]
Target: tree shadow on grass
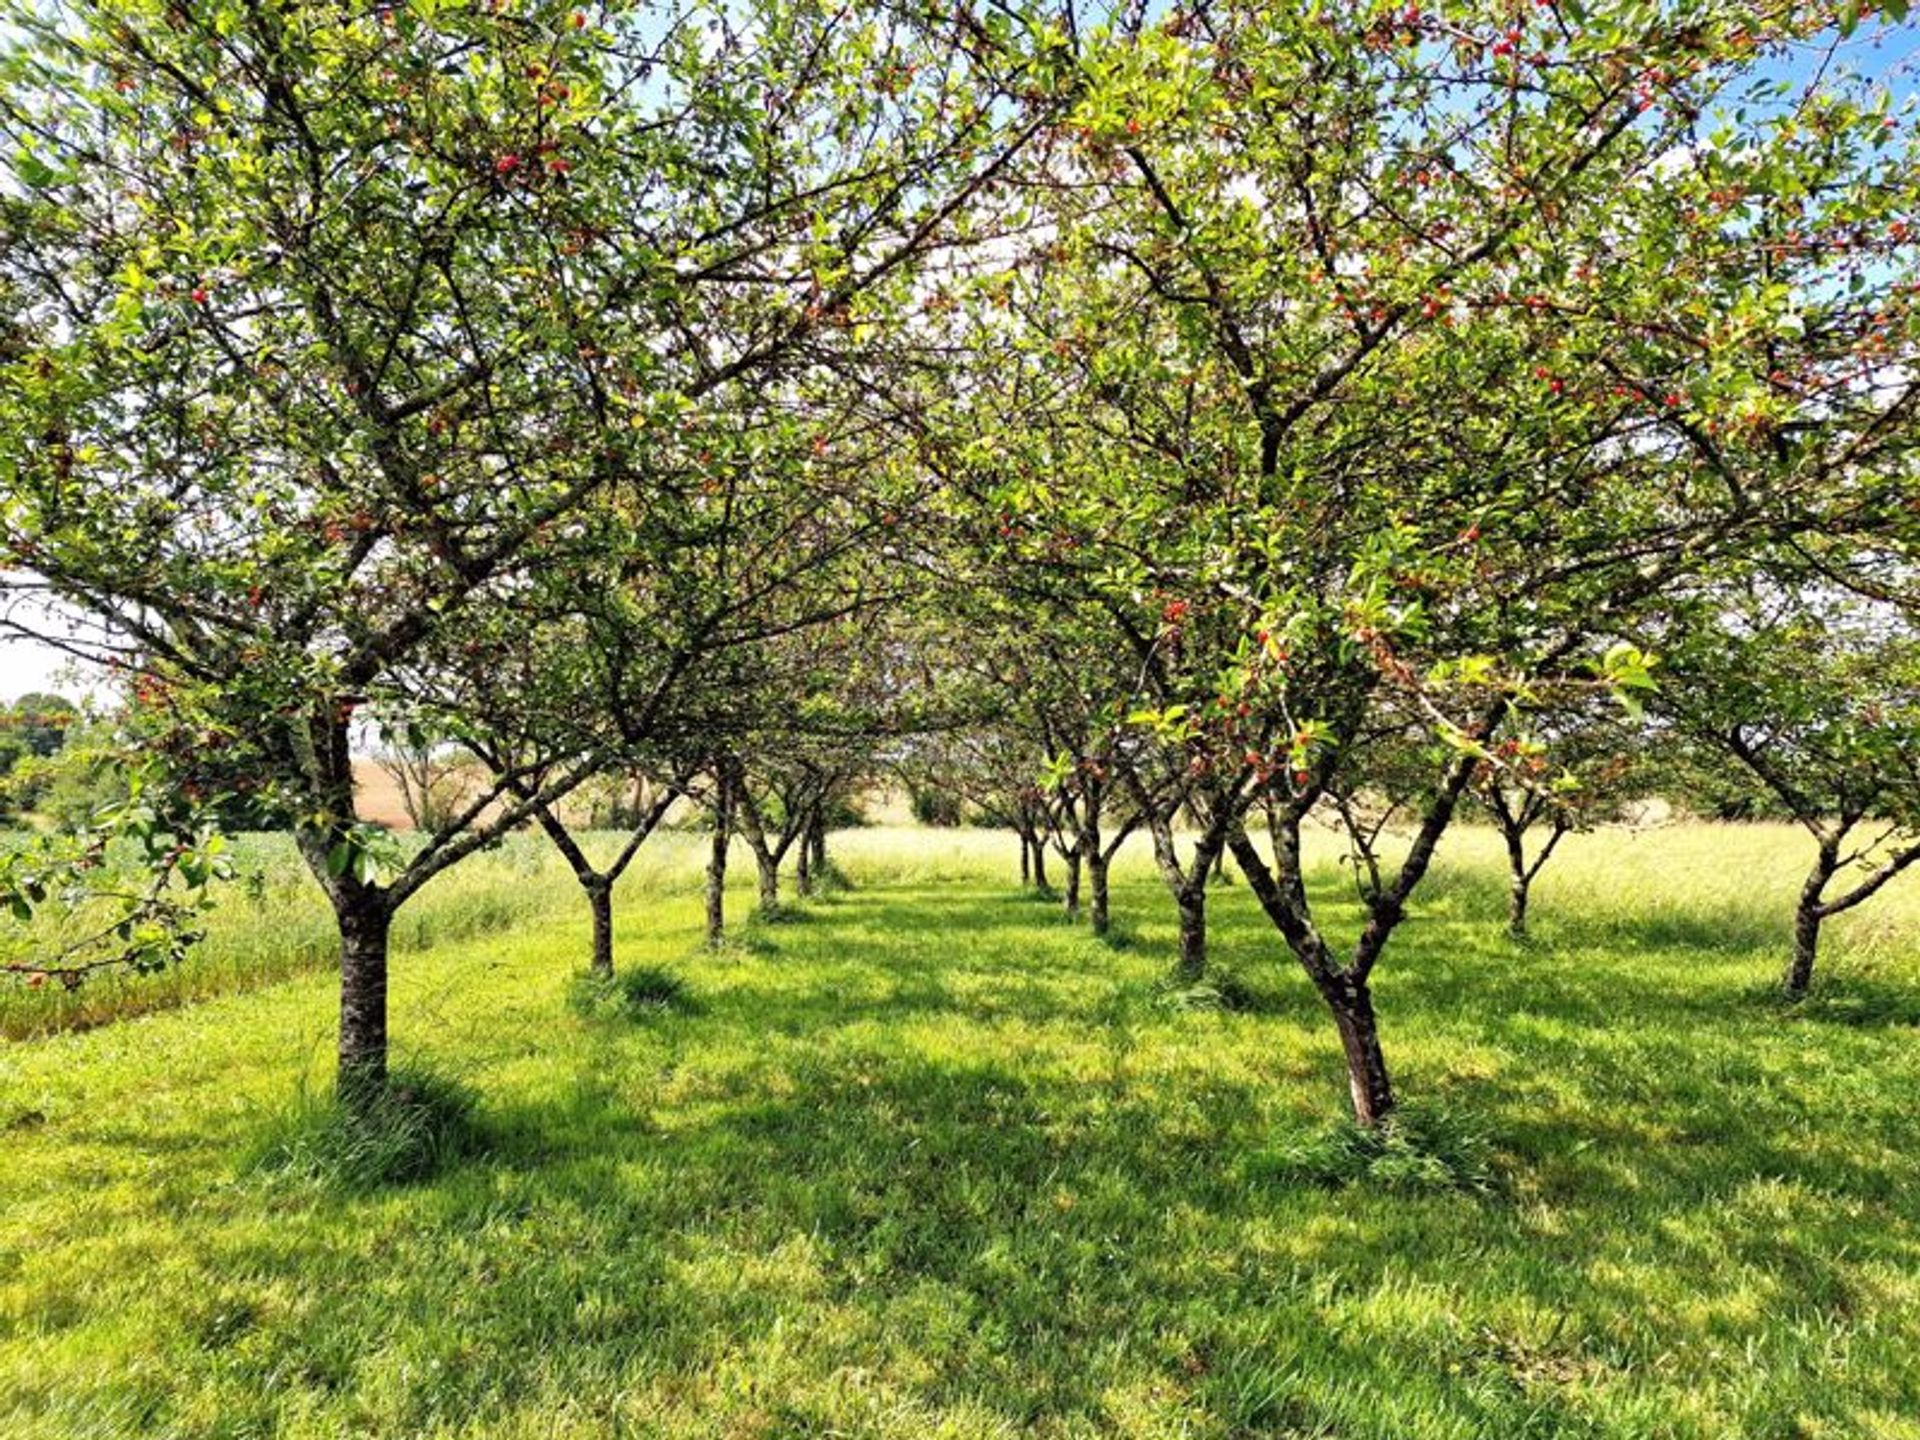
[(1852, 999), (1026, 1229)]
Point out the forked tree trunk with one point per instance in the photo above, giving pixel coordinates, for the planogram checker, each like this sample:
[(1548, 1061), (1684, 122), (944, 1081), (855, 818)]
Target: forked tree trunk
[(1346, 996), (1099, 917), (600, 899), (1191, 901), (1186, 883), (597, 887), (365, 922)]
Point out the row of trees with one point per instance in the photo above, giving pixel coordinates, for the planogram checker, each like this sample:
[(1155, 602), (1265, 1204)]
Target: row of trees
[(1186, 421)]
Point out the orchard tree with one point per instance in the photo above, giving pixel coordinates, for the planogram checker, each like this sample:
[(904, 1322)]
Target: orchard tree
[(994, 774), (827, 701), (1573, 768), (433, 779), (1414, 354), (1815, 693), (324, 319), (672, 632)]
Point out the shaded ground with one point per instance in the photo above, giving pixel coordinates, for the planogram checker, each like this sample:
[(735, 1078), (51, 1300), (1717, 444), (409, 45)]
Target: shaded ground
[(930, 1163)]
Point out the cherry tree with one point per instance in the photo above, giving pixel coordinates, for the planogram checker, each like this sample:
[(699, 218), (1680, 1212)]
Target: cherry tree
[(1815, 694), (1413, 354), (323, 321)]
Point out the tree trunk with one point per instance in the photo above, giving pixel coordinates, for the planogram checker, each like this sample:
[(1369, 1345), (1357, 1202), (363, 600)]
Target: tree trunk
[(803, 868), (1026, 862), (1806, 923), (1806, 947), (717, 876), (1040, 882), (365, 921), (1367, 1079), (817, 841), (1518, 885), (1070, 901), (600, 897), (1192, 903), (1517, 894), (1220, 874), (1098, 910), (769, 869)]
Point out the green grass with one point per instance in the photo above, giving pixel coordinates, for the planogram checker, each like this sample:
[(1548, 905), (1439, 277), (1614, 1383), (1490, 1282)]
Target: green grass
[(930, 1163), (273, 922)]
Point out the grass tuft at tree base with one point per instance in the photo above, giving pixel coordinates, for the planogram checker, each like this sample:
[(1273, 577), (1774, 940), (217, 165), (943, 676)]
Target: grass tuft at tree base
[(1419, 1146), (414, 1126), (637, 994), (830, 879), (1224, 990), (1861, 997)]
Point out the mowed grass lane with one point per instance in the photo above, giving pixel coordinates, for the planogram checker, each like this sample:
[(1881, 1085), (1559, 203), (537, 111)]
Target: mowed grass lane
[(928, 1162)]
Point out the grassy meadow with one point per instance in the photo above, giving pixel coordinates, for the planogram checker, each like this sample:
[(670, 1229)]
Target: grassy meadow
[(925, 1161)]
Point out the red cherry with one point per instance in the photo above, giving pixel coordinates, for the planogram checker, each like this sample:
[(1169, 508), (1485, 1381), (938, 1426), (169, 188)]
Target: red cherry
[(199, 294), (506, 164)]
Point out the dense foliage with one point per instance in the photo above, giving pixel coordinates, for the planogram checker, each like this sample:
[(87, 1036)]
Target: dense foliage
[(1199, 422)]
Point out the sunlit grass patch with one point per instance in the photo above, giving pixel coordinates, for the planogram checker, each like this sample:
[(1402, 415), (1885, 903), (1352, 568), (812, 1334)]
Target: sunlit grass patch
[(937, 1163)]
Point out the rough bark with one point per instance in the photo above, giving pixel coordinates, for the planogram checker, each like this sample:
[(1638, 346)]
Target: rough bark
[(1808, 914), (1191, 901), (1099, 918), (1026, 862), (365, 921), (1519, 884), (598, 889), (803, 868), (1070, 898), (1187, 881), (1040, 881), (769, 872), (1367, 1078), (600, 900), (717, 871), (1283, 897)]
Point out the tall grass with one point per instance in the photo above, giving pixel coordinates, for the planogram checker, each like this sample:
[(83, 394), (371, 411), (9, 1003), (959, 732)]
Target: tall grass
[(1711, 887), (272, 922)]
